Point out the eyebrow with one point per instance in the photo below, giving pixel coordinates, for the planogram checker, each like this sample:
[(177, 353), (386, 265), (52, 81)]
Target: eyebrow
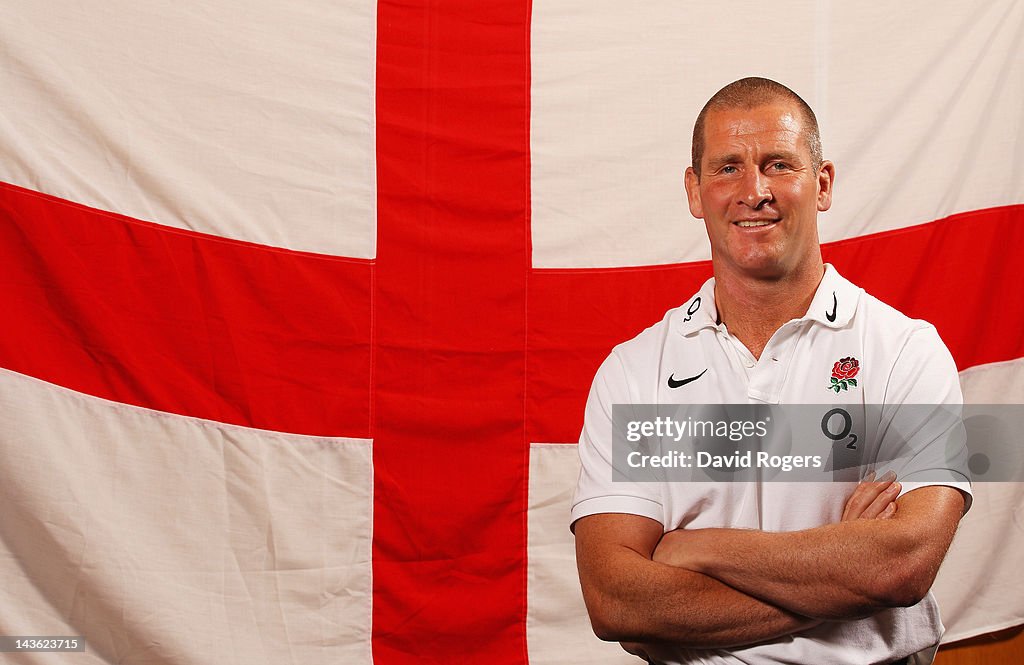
[(784, 156), (722, 160), (717, 162)]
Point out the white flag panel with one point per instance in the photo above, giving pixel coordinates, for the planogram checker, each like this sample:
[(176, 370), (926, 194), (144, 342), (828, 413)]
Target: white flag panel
[(919, 105), (161, 538), (248, 120)]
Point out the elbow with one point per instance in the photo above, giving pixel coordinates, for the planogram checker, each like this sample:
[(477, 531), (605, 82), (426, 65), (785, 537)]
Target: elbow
[(886, 592), (902, 585), (608, 628), (609, 622), (606, 631)]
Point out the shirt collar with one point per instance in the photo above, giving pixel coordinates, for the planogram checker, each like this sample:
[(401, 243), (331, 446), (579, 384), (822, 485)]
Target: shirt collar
[(833, 305), (835, 301), (699, 311)]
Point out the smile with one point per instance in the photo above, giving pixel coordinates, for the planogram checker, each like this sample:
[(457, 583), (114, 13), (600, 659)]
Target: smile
[(752, 223)]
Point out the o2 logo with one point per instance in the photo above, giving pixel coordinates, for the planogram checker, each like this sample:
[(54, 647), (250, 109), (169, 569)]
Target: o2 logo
[(692, 309), (839, 429)]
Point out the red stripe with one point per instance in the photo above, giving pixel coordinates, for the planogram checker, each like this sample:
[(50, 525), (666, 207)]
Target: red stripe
[(450, 456), (576, 317), (962, 273), (181, 321)]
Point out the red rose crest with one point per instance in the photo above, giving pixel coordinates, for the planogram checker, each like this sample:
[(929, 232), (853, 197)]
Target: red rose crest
[(843, 373)]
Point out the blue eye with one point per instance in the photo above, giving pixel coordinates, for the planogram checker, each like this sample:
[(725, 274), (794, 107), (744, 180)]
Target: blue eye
[(728, 169), (778, 166)]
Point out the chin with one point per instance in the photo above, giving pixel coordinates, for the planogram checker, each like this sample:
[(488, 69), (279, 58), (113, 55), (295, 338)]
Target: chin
[(766, 275), (762, 267)]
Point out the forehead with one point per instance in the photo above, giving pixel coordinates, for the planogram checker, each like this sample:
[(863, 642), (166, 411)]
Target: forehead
[(777, 126)]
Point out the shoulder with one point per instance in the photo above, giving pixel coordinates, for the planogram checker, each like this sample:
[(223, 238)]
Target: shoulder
[(890, 335), (648, 341), (903, 338), (886, 318), (642, 355), (676, 327), (905, 356), (919, 367), (855, 307), (632, 370)]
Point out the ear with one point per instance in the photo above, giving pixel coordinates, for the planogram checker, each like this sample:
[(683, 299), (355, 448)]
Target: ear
[(826, 179), (692, 183)]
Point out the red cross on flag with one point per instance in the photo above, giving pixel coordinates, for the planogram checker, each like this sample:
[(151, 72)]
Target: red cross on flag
[(301, 302)]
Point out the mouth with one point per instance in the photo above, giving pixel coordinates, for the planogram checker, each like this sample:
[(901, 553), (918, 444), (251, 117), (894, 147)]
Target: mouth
[(754, 223)]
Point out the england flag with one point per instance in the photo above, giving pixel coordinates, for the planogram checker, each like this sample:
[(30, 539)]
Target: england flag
[(302, 301)]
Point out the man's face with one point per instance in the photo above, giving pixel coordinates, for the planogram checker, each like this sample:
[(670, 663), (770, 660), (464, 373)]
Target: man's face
[(758, 192)]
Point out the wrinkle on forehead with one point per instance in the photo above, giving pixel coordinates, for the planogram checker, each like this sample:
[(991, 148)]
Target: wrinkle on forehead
[(744, 124), (752, 127)]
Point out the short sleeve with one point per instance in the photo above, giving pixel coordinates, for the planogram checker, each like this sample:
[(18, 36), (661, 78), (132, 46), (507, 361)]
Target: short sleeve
[(923, 435), (596, 490)]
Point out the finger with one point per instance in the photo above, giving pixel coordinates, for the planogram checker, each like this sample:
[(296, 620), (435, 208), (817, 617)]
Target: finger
[(889, 511), (854, 497), (886, 477), (881, 502), (884, 491), (864, 496), (865, 492)]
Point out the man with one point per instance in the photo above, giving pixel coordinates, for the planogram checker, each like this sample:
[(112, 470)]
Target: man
[(768, 572)]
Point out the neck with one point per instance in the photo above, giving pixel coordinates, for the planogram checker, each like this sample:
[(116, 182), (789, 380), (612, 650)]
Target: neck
[(753, 309)]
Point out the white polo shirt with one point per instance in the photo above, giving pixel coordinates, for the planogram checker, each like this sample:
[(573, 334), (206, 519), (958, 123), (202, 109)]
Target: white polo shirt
[(689, 358)]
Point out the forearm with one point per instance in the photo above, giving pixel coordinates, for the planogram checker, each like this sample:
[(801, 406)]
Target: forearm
[(838, 571), (698, 611), (647, 601)]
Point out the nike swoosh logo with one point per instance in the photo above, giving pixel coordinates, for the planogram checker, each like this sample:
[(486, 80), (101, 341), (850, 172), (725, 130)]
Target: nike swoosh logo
[(672, 383), (835, 303)]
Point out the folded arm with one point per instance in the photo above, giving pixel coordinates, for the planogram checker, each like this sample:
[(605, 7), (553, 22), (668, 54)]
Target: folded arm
[(632, 598), (846, 570)]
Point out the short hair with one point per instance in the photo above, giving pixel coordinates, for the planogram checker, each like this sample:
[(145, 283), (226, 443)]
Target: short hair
[(752, 92)]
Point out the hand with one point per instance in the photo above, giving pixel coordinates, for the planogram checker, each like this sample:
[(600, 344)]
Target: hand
[(873, 499)]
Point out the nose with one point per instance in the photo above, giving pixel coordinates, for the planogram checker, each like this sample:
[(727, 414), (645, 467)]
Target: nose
[(755, 191)]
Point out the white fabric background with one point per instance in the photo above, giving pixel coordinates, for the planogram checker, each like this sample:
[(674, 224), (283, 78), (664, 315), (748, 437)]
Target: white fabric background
[(920, 106), (163, 538), (251, 120)]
